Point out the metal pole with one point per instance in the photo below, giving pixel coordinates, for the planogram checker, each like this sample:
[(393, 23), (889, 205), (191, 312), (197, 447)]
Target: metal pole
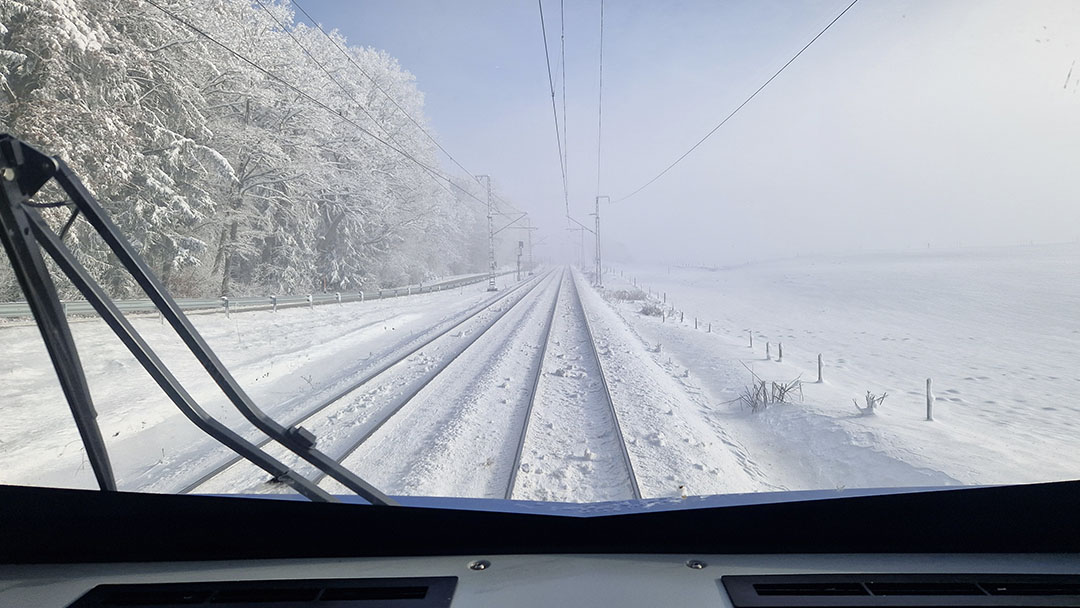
[(528, 224), (491, 236), (596, 269), (599, 269), (929, 401), (582, 259)]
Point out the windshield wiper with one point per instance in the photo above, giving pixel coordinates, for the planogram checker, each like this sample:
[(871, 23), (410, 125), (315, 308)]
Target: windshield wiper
[(23, 172)]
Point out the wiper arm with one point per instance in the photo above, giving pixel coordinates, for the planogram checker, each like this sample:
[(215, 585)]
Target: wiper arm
[(15, 188), (34, 169), (157, 370)]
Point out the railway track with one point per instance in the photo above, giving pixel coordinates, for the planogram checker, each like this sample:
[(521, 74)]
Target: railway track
[(590, 402), (569, 407), (444, 367), (520, 290)]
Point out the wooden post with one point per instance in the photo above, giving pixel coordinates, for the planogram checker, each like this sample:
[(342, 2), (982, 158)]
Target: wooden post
[(751, 337), (779, 351), (929, 401), (768, 355), (665, 297), (682, 317), (695, 322), (710, 328), (819, 369)]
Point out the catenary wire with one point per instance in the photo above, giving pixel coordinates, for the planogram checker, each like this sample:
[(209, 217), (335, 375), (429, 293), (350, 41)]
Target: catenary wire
[(740, 106)]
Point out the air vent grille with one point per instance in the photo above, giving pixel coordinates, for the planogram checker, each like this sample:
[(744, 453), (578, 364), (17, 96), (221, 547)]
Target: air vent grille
[(810, 589), (923, 588), (432, 592), (902, 590), (1044, 588)]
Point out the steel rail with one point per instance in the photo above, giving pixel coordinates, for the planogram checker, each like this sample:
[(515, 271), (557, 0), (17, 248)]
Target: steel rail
[(371, 375), (416, 391), (535, 386), (607, 389)]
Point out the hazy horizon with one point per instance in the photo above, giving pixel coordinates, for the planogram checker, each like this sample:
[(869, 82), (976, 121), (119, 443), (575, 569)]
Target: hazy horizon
[(907, 123)]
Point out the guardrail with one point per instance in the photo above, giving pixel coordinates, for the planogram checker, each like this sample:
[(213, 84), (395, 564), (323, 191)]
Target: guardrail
[(244, 304)]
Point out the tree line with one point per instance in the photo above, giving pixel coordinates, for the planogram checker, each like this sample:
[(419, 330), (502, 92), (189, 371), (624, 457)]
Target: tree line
[(226, 179)]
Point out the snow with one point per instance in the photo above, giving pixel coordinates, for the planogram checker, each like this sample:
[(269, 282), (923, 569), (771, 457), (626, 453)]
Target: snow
[(571, 451), (994, 328), (417, 411), (287, 361), (669, 437)]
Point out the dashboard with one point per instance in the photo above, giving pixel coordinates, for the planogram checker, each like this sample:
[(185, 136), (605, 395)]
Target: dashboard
[(973, 547), (511, 580)]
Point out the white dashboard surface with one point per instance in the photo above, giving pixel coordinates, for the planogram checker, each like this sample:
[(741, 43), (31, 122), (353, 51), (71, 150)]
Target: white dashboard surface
[(522, 580)]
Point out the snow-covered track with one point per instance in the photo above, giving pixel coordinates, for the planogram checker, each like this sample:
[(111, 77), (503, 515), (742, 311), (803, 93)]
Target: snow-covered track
[(527, 286), (572, 446), (435, 373), (537, 374), (621, 440)]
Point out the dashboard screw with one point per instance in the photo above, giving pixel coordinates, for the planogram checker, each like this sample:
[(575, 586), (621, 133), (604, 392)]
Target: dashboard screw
[(695, 564), (480, 564)]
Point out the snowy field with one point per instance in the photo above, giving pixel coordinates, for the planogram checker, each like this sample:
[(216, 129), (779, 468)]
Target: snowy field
[(286, 361), (998, 331), (994, 328)]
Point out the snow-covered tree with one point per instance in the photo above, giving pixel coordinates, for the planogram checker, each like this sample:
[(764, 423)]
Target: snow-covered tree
[(226, 178)]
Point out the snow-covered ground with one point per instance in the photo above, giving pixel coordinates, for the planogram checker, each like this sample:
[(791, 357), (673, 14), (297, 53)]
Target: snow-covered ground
[(996, 329), (287, 361), (407, 411)]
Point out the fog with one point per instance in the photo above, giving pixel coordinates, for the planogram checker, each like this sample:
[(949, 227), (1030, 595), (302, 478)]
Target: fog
[(907, 125)]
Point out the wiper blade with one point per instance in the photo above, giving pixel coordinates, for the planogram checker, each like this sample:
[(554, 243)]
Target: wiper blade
[(31, 169), (156, 368), (33, 277)]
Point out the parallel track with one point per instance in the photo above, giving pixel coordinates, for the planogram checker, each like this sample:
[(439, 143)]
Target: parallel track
[(536, 374), (356, 443), (372, 375)]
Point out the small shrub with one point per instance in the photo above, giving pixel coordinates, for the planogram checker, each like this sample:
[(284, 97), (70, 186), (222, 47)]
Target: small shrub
[(651, 310), (755, 397), (783, 392), (629, 295), (872, 403), (760, 394)]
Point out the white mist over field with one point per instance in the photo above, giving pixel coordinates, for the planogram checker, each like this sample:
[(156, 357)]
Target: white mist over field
[(908, 124)]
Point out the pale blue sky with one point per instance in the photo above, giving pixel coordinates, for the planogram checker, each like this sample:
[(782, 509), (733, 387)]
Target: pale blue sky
[(908, 122)]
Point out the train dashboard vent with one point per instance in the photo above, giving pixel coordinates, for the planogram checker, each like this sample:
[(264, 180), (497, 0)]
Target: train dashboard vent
[(429, 592), (902, 590)]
